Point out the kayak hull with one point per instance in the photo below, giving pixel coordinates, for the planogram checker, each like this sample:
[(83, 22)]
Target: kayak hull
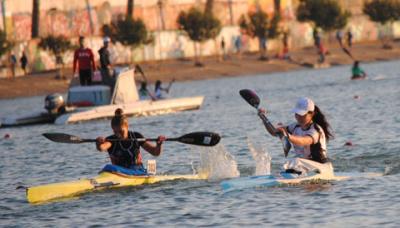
[(49, 192), (285, 179)]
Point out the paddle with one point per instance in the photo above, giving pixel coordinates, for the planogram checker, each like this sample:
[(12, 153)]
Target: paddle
[(194, 138), (252, 98), (139, 69), (169, 85)]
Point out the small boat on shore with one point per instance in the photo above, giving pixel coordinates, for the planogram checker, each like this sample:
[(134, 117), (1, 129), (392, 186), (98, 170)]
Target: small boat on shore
[(100, 101)]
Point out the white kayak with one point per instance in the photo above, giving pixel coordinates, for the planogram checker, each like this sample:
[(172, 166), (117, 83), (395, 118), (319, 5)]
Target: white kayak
[(285, 179)]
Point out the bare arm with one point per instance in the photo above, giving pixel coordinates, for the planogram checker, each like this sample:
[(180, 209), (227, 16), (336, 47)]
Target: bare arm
[(154, 150), (268, 125)]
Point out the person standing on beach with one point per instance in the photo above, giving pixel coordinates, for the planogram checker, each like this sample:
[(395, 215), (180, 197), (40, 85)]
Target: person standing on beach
[(13, 64), (349, 38), (339, 37), (84, 58), (24, 62), (223, 48)]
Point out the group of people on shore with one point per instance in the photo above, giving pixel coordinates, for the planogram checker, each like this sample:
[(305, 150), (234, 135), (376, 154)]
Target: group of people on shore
[(85, 64)]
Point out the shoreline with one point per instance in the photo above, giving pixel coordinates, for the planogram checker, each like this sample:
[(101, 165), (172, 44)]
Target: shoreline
[(41, 84)]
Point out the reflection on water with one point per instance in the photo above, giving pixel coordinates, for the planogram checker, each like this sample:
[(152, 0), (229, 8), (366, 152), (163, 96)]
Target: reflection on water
[(364, 113)]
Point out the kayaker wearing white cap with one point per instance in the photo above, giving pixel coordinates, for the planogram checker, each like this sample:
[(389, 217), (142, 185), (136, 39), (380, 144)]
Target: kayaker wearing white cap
[(311, 132), (308, 135)]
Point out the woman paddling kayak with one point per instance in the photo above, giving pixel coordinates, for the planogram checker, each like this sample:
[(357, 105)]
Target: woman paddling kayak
[(309, 136), (126, 153)]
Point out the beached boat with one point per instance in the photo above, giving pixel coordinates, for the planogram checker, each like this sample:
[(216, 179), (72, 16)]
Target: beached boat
[(100, 101)]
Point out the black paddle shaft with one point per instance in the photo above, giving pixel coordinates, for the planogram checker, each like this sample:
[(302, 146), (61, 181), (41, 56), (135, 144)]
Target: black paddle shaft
[(252, 98), (194, 138)]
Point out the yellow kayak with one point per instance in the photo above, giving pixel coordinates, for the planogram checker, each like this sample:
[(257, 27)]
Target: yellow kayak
[(49, 192)]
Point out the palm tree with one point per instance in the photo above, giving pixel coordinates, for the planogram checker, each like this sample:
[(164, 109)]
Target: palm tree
[(209, 6), (35, 18), (129, 9)]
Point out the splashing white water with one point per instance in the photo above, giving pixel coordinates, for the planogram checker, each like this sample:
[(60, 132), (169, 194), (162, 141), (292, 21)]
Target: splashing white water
[(261, 157), (217, 163)]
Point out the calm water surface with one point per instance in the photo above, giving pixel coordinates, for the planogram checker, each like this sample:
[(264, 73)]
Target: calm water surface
[(371, 123)]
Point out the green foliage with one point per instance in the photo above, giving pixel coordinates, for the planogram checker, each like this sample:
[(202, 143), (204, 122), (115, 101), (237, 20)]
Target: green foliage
[(5, 45), (199, 26), (128, 31), (131, 32), (382, 11), (56, 44), (258, 25), (325, 14)]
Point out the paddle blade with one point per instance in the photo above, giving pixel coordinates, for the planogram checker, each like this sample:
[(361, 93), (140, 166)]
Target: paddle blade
[(63, 138), (286, 145), (251, 97), (200, 138)]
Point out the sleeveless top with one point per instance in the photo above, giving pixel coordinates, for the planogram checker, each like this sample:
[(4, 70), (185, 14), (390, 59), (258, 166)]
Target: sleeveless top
[(126, 153), (317, 150)]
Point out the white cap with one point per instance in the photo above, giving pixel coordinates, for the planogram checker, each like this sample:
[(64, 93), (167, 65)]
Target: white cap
[(303, 106), (106, 39)]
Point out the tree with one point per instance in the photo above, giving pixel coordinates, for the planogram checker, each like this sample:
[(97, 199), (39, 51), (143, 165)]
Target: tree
[(129, 9), (5, 45), (35, 18), (382, 12), (57, 45), (128, 31), (324, 14), (257, 24), (199, 27)]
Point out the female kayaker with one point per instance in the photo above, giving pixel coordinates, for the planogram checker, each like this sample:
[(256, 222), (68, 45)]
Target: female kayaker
[(309, 135), (126, 153)]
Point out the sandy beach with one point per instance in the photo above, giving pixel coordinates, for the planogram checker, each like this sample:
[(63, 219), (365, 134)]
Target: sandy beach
[(38, 84)]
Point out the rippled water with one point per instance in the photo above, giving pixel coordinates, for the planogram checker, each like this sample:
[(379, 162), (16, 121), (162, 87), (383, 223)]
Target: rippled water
[(371, 123)]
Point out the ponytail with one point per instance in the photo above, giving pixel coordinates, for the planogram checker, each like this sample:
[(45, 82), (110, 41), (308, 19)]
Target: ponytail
[(320, 119), (119, 118)]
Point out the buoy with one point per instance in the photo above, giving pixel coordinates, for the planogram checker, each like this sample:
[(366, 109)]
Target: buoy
[(356, 97), (348, 143), (7, 136)]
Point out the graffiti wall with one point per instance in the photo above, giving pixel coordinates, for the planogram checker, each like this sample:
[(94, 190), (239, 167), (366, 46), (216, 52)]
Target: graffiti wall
[(169, 43)]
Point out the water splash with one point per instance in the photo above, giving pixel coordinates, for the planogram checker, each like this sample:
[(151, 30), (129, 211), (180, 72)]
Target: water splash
[(261, 157), (216, 162)]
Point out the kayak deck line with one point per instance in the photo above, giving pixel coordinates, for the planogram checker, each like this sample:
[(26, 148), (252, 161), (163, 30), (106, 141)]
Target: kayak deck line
[(105, 180)]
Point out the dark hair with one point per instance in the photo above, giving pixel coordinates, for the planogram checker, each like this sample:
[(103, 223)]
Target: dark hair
[(119, 118), (143, 85), (320, 119), (158, 84)]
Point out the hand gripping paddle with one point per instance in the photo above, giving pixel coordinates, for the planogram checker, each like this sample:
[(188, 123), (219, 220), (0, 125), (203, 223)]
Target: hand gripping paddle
[(252, 98)]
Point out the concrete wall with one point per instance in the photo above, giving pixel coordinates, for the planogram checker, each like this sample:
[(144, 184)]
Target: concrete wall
[(71, 18)]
